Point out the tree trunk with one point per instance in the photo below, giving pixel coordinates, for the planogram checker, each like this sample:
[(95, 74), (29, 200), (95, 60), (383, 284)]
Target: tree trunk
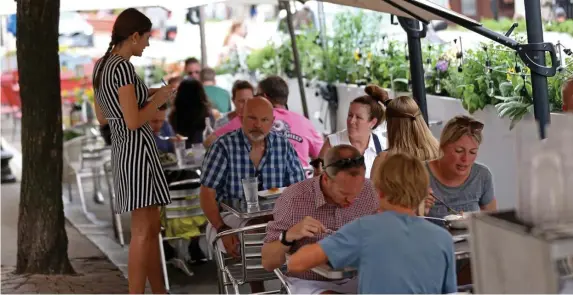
[(42, 238)]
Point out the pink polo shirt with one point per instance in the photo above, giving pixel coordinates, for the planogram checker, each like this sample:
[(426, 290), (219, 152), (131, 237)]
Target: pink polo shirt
[(298, 129)]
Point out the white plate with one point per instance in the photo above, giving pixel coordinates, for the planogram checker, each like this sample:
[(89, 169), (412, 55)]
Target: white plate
[(268, 194)]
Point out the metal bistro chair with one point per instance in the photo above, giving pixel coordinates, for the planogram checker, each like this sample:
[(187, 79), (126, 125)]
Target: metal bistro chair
[(249, 268), (116, 220), (79, 165), (181, 206)]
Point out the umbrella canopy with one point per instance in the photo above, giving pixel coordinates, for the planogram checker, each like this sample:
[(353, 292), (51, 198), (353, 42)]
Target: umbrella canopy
[(422, 10)]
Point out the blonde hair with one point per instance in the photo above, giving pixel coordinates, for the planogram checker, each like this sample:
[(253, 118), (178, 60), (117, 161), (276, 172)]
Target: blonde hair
[(237, 24), (408, 132), (459, 126), (403, 179)]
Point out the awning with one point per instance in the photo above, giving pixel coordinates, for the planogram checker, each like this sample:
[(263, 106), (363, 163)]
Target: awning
[(421, 10)]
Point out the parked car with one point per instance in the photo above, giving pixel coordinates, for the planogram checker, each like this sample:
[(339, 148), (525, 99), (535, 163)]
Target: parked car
[(75, 31)]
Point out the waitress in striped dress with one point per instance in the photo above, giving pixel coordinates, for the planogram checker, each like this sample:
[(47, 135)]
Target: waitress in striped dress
[(127, 105)]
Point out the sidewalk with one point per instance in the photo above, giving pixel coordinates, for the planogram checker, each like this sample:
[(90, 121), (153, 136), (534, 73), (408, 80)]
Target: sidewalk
[(95, 273)]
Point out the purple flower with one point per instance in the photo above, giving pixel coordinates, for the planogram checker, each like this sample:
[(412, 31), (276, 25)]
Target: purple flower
[(442, 65)]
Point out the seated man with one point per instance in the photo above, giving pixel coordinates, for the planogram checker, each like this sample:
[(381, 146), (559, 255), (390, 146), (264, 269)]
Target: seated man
[(298, 129), (394, 251), (242, 90), (219, 97), (250, 151), (309, 210), (162, 130)]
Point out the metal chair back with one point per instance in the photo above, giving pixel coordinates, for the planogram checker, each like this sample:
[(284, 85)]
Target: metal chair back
[(249, 268)]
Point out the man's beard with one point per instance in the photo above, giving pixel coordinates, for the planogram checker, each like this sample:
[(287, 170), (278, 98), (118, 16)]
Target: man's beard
[(256, 135)]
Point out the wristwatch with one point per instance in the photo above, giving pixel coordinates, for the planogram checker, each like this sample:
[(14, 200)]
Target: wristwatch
[(282, 238)]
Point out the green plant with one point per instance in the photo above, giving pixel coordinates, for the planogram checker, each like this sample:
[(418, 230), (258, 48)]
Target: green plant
[(157, 73), (357, 53), (517, 97)]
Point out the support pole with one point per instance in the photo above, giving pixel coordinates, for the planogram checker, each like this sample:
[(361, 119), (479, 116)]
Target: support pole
[(201, 13), (296, 58), (539, 82), (415, 31)]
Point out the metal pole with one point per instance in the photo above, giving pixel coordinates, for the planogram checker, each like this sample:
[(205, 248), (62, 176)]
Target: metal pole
[(538, 82), (296, 58), (202, 36), (415, 31)]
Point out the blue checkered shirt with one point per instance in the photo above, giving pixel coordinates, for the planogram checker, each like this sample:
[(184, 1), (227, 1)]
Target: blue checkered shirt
[(227, 162)]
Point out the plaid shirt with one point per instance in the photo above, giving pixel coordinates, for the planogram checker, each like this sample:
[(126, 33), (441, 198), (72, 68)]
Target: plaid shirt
[(306, 199), (227, 162)]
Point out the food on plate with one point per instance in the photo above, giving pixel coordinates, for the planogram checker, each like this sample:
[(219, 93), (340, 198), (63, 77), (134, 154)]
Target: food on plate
[(453, 217), (274, 190), (167, 158)]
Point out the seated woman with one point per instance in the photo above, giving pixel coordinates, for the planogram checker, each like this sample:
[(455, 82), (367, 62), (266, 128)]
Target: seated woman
[(162, 131), (190, 109), (407, 132), (395, 251), (364, 115), (455, 178)]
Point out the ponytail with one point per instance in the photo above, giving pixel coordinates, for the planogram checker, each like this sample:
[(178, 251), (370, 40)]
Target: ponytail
[(97, 77)]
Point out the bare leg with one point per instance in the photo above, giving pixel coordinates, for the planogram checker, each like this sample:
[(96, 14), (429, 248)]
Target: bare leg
[(138, 249), (154, 269), (143, 250)]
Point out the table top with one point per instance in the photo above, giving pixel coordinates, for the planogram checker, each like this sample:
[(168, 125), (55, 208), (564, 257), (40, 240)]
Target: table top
[(175, 167), (240, 209), (461, 249), (94, 148)]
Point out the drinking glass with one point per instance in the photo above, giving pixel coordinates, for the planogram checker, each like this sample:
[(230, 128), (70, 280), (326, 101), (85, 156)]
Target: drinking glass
[(198, 152), (179, 147), (250, 188)]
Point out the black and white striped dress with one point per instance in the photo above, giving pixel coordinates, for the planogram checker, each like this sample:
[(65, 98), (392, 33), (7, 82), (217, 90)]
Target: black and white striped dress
[(138, 178)]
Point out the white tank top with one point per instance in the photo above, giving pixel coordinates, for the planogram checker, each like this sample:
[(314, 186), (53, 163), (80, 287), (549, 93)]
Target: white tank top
[(341, 137)]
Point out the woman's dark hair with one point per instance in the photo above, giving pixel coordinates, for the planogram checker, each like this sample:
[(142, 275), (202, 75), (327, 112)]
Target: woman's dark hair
[(241, 85), (374, 99), (128, 22), (190, 108)]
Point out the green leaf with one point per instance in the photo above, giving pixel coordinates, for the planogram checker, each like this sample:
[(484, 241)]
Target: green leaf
[(400, 80), (517, 89)]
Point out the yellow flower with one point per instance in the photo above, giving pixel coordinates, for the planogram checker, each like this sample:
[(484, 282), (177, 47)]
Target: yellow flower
[(510, 71), (357, 54)]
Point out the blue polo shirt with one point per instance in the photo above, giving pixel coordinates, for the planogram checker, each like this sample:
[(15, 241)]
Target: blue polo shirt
[(395, 254)]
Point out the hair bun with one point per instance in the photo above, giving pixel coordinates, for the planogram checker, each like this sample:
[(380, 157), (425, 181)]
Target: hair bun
[(377, 92)]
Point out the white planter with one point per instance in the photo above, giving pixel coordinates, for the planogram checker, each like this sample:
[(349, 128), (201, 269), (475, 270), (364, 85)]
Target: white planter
[(315, 104)]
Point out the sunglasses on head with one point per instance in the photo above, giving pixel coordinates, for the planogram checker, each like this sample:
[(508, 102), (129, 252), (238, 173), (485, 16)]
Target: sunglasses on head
[(473, 125), (347, 163)]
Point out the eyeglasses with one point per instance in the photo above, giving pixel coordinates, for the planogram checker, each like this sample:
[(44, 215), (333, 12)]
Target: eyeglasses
[(191, 73), (347, 163), (474, 126)]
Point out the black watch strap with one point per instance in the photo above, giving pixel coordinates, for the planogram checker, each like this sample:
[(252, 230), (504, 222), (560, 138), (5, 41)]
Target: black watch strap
[(284, 241)]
